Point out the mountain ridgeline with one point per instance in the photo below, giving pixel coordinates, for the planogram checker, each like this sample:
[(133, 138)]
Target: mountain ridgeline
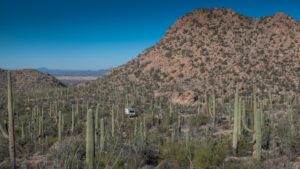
[(29, 79)]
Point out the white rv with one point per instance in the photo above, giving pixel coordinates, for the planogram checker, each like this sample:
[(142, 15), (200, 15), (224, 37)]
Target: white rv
[(130, 112)]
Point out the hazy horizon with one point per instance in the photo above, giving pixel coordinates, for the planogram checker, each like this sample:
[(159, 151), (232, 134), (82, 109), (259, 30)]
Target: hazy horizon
[(93, 35), (49, 68)]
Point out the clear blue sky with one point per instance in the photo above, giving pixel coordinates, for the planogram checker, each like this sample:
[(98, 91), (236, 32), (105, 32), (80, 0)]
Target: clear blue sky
[(85, 34)]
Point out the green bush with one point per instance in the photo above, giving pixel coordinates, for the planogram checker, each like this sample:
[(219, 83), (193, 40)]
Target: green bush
[(211, 155), (174, 151), (244, 147), (200, 120)]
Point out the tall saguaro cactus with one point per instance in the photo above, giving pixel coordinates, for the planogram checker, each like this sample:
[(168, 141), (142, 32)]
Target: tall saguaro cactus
[(235, 121), (212, 107), (60, 121), (257, 128), (239, 116), (73, 119), (102, 137), (97, 124), (291, 121), (90, 139), (11, 136), (112, 122)]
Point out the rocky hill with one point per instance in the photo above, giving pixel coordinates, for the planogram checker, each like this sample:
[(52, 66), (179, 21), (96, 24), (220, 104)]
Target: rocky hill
[(214, 49), (29, 79)]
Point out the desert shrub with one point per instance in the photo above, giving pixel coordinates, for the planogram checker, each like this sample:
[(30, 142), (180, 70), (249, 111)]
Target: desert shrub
[(68, 154), (112, 160), (211, 155), (176, 152), (289, 138), (169, 54), (79, 127), (244, 147), (3, 148), (180, 75), (200, 120)]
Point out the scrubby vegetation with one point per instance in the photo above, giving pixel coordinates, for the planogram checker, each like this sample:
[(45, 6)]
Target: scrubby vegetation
[(52, 129)]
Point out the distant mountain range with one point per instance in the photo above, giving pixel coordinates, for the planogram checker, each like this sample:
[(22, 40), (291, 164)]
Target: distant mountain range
[(81, 73)]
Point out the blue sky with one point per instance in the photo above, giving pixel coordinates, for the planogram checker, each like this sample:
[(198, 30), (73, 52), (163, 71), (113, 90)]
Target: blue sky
[(96, 34)]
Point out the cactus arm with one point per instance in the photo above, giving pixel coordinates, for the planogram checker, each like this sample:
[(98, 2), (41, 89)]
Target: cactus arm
[(243, 118), (239, 115), (291, 120), (270, 98)]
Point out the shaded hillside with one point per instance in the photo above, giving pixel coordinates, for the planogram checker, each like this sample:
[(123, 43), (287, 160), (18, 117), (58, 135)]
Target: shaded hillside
[(29, 79), (213, 49)]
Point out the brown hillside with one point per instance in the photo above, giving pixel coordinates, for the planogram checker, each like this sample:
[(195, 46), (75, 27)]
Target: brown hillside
[(29, 79), (213, 49)]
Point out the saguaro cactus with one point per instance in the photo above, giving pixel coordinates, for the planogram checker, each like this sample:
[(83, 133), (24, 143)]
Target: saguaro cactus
[(97, 124), (90, 139), (56, 111), (257, 135), (59, 126), (291, 120), (257, 126), (270, 98), (11, 135), (77, 108), (73, 119), (102, 138), (212, 107), (170, 109), (112, 122), (187, 137), (22, 131), (135, 127), (235, 121), (173, 134)]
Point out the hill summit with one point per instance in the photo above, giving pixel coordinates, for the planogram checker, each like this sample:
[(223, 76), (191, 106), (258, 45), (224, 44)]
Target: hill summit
[(29, 79), (215, 49)]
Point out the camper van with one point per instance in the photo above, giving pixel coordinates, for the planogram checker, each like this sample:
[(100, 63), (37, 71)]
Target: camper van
[(130, 112)]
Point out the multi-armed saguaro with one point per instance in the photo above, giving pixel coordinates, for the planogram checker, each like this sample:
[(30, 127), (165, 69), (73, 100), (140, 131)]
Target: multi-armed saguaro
[(239, 116)]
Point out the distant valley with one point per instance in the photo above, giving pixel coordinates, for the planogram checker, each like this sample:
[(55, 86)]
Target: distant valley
[(73, 77)]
